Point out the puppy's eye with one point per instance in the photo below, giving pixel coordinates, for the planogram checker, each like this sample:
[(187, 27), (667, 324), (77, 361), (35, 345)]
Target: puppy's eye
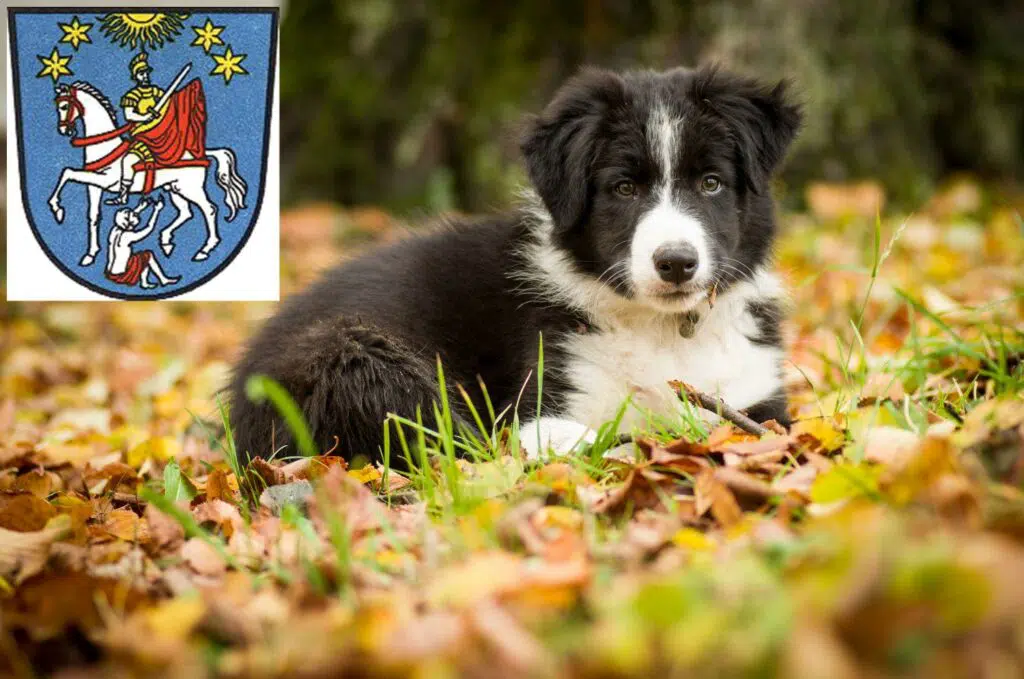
[(626, 189), (710, 184)]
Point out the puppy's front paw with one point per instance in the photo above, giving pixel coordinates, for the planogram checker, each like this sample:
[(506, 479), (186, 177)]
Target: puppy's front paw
[(554, 434)]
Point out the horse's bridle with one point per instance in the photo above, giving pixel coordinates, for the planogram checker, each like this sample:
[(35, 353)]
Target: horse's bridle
[(75, 109)]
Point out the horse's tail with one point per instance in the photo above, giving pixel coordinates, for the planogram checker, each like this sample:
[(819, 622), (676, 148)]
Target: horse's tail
[(229, 180)]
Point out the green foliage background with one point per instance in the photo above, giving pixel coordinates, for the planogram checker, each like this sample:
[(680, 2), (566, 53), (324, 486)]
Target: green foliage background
[(414, 104)]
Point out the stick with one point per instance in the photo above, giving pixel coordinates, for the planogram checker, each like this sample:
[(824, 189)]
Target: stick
[(717, 405)]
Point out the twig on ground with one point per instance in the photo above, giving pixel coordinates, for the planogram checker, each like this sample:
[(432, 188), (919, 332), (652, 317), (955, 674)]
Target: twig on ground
[(133, 501), (717, 405)]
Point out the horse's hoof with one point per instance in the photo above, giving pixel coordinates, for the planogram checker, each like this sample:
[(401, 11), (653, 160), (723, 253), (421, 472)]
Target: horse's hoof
[(168, 248), (58, 214), (200, 256), (87, 260)]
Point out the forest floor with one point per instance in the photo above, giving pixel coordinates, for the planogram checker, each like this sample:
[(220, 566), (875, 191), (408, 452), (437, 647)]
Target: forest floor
[(883, 535)]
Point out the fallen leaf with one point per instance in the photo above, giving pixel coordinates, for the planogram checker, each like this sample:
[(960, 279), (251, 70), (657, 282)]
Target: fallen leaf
[(160, 448), (890, 446), (711, 493), (23, 554), (217, 487), (163, 533), (125, 524), (271, 475), (820, 433), (203, 558), (24, 512), (38, 482)]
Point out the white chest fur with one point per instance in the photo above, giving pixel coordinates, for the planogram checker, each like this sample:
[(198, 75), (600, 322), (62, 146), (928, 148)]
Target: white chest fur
[(635, 356)]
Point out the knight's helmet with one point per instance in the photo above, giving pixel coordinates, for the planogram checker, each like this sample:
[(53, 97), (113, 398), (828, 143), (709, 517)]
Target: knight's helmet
[(140, 62)]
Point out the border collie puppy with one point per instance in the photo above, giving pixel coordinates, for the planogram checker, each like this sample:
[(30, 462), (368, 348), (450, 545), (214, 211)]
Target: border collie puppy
[(642, 256)]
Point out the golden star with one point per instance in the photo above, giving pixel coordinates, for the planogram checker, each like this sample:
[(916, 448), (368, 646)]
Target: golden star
[(54, 65), (228, 64), (207, 36), (75, 33)]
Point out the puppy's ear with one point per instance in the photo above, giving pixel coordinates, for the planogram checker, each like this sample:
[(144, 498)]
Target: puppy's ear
[(559, 144), (764, 119)]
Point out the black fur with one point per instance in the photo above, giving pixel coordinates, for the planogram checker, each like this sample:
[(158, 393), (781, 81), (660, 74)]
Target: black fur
[(364, 341), (768, 316), (772, 408)]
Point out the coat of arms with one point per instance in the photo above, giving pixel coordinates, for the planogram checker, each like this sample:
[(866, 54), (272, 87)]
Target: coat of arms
[(142, 140)]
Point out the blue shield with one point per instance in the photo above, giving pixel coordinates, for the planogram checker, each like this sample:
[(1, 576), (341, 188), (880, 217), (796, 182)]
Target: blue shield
[(142, 139)]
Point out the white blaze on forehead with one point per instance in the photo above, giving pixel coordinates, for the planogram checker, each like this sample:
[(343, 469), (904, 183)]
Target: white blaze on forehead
[(666, 223)]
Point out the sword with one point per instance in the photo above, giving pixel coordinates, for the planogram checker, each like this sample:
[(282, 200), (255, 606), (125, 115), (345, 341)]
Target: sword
[(170, 90)]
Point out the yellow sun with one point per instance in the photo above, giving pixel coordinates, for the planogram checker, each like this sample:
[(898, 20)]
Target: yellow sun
[(151, 29)]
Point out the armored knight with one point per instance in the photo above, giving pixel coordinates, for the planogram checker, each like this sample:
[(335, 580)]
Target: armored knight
[(139, 105)]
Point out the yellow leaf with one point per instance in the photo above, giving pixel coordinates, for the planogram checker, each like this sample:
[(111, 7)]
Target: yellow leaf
[(558, 517), (823, 430), (159, 448), (692, 539), (365, 475), (168, 403), (845, 481), (174, 620)]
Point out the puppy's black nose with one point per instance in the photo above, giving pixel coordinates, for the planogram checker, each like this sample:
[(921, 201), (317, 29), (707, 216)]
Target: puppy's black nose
[(676, 263)]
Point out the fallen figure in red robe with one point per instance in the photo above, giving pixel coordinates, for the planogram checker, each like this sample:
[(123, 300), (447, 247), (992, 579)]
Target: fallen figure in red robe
[(133, 268)]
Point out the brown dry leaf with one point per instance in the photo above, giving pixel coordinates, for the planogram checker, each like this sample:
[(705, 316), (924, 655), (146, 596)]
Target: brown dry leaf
[(112, 477), (702, 491), (799, 480), (219, 516), (50, 603), (603, 500), (218, 488), (203, 558), (683, 447), (80, 510), (310, 468), (724, 433), (712, 494), (126, 525), (362, 510), (768, 444), (38, 482), (24, 512), (745, 485), (271, 475), (23, 554), (688, 464), (164, 533)]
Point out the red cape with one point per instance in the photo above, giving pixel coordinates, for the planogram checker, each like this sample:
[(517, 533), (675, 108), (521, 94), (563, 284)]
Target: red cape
[(183, 127)]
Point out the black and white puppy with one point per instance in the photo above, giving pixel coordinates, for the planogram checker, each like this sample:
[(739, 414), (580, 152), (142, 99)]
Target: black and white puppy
[(642, 256)]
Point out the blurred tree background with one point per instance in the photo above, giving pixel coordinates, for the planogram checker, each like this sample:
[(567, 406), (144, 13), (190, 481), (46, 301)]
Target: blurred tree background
[(414, 104)]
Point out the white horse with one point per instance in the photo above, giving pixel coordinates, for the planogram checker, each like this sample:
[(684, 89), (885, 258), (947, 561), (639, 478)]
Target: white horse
[(101, 172)]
